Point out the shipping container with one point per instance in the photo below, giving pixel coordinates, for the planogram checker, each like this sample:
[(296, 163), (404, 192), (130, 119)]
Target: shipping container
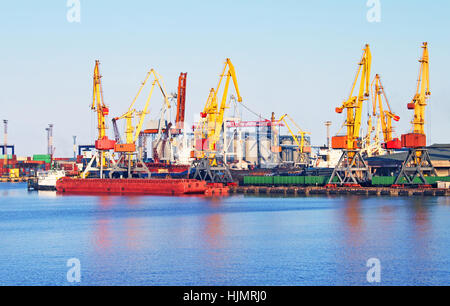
[(42, 158)]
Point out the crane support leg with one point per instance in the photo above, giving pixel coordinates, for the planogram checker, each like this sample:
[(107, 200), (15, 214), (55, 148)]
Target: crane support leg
[(125, 167), (212, 174), (351, 169), (416, 165)]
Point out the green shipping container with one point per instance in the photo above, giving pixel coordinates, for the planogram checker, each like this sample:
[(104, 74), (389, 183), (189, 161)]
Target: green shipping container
[(42, 157)]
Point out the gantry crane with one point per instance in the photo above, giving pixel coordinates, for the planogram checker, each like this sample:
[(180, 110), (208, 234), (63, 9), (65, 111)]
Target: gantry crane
[(132, 132), (351, 168), (303, 157), (103, 144), (211, 124), (418, 163)]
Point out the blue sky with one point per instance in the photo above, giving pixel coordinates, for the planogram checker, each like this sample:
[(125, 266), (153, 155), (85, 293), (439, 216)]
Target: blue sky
[(296, 57)]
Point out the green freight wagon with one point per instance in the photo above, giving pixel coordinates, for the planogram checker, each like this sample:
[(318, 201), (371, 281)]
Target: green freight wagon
[(383, 180), (288, 180), (258, 180), (390, 180)]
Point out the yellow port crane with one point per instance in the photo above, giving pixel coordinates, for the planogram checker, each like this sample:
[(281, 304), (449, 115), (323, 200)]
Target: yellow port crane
[(103, 144), (132, 132), (422, 93), (418, 162), (98, 105), (212, 116), (351, 169), (386, 116), (300, 144), (354, 104)]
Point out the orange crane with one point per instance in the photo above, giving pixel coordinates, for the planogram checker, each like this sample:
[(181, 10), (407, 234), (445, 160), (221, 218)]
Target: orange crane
[(181, 101)]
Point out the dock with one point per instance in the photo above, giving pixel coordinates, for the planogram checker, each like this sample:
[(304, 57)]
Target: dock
[(344, 191), (14, 180)]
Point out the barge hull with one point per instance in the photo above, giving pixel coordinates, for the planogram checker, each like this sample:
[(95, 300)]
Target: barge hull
[(131, 186)]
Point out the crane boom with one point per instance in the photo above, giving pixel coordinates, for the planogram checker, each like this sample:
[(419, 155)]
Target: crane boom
[(181, 101), (422, 93), (98, 105)]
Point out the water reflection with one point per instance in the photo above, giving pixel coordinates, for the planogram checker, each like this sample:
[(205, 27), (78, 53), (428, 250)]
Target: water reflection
[(102, 236), (421, 227), (214, 232), (350, 239), (420, 216), (444, 201), (352, 222), (127, 233), (47, 194)]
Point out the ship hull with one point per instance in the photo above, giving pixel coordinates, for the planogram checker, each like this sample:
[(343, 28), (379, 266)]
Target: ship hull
[(131, 186)]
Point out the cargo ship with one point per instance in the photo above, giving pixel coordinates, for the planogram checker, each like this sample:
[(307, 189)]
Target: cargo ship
[(172, 187)]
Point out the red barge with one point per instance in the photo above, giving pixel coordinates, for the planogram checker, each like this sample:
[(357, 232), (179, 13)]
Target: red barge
[(69, 185)]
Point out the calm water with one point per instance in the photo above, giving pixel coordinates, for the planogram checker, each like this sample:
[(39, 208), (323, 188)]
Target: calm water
[(232, 241)]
